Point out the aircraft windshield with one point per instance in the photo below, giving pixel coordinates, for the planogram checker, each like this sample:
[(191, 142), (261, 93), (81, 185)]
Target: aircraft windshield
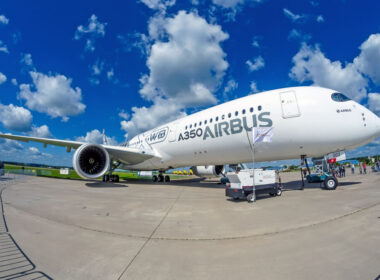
[(339, 97)]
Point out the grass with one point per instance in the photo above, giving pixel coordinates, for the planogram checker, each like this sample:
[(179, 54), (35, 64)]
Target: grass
[(55, 173)]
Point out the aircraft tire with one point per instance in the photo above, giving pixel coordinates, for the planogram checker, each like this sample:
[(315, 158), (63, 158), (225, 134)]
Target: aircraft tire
[(330, 183), (278, 192), (154, 178), (251, 197), (160, 178), (116, 178), (167, 178)]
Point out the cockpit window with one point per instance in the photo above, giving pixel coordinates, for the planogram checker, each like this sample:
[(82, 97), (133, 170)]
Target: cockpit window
[(339, 97)]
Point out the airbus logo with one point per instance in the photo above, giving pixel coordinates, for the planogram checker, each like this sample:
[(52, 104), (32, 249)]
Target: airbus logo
[(343, 110), (224, 128)]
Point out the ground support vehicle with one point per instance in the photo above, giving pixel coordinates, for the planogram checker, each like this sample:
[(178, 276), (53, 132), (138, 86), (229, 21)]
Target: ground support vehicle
[(248, 183)]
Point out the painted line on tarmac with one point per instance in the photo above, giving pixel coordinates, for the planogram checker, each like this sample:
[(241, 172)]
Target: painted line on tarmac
[(202, 238), (150, 236)]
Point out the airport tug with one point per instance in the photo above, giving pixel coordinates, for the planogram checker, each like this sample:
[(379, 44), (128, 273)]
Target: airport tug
[(248, 183)]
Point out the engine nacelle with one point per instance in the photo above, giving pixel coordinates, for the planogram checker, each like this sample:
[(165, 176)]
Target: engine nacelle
[(208, 171), (91, 161)]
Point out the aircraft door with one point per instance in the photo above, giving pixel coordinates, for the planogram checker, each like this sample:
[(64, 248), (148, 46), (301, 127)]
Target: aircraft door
[(289, 105), (173, 132)]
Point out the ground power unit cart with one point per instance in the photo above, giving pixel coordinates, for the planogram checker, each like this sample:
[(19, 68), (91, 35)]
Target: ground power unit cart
[(248, 183)]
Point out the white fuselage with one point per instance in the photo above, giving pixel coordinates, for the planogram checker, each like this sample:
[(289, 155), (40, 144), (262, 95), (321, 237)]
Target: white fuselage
[(305, 121)]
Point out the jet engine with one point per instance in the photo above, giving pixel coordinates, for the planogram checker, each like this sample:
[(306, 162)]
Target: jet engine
[(91, 161), (208, 170)]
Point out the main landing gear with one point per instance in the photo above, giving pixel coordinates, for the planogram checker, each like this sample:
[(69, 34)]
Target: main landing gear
[(161, 178), (110, 177)]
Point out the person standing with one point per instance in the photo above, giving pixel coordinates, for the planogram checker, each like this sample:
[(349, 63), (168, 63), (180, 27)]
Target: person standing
[(360, 167), (352, 168), (377, 166), (343, 171), (365, 168)]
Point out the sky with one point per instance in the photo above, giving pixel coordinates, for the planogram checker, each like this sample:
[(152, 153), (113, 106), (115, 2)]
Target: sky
[(70, 69)]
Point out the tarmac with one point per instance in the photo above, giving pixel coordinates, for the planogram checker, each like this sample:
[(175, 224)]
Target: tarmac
[(72, 229)]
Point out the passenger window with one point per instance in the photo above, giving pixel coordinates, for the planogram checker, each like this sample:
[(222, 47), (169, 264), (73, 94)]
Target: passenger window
[(243, 112), (191, 126), (222, 117), (216, 119), (229, 115), (236, 113), (211, 120), (251, 109), (185, 127), (195, 125), (200, 123), (205, 121), (259, 108)]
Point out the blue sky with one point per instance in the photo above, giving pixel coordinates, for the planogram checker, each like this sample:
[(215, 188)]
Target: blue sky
[(69, 70)]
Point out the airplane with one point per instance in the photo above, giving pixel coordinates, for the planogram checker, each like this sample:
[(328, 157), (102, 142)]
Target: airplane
[(307, 121)]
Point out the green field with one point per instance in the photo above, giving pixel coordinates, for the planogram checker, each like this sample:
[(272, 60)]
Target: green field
[(54, 173)]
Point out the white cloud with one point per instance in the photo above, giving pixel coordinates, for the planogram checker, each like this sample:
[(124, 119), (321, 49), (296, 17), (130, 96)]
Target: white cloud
[(15, 118), (255, 42), (110, 74), (231, 86), (27, 59), (4, 19), (40, 131), (97, 68), (320, 18), (3, 47), (96, 137), (230, 7), (298, 35), (293, 17), (257, 64), (14, 82), (145, 118), (52, 95), (186, 64), (158, 4), (228, 4), (310, 64), (374, 102), (94, 29), (124, 115), (3, 78), (253, 87), (368, 62)]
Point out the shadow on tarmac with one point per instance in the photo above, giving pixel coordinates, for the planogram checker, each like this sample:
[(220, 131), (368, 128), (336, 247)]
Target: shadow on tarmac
[(14, 263), (106, 185)]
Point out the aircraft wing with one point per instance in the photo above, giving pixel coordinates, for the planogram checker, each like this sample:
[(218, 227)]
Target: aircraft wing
[(124, 154)]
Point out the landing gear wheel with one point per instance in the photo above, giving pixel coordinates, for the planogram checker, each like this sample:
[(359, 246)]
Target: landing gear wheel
[(278, 192), (330, 183), (116, 178), (154, 178), (251, 197), (272, 194), (106, 178), (167, 178), (160, 178)]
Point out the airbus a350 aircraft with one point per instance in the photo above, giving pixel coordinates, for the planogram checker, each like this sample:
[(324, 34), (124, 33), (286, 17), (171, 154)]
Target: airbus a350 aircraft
[(306, 121)]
